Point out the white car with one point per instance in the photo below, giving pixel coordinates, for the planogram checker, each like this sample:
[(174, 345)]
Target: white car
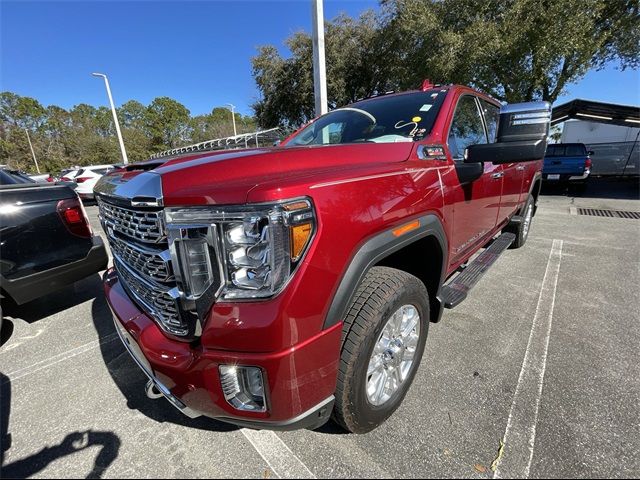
[(69, 175), (87, 177)]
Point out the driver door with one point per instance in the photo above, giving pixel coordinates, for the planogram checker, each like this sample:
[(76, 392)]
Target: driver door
[(475, 203)]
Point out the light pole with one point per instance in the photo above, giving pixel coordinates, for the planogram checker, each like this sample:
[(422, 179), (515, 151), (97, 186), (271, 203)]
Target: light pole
[(319, 68), (125, 160), (233, 117), (33, 154)]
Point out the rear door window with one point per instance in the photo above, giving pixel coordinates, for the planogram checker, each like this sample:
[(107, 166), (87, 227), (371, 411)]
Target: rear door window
[(491, 116)]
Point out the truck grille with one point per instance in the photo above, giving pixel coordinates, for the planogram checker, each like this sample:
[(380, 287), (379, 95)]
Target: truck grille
[(143, 225), (154, 299), (148, 262), (142, 261)]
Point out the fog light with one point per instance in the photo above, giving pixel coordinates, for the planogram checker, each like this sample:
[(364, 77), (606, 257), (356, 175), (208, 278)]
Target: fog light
[(243, 387)]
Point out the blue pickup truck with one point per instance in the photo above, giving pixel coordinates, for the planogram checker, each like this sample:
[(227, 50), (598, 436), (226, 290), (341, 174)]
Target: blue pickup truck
[(567, 162)]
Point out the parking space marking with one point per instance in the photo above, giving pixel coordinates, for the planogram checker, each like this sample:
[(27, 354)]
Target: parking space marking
[(36, 367), (279, 457), (520, 433)]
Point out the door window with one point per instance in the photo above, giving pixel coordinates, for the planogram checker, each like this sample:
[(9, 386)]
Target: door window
[(466, 127)]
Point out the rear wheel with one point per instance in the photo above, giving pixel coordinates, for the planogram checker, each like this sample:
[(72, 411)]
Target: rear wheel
[(384, 335)]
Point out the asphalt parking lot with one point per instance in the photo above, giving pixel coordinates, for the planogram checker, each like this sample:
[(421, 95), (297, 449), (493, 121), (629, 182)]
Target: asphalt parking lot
[(543, 355)]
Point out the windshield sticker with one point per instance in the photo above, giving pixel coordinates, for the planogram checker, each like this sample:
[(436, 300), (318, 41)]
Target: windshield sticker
[(426, 107), (416, 119), (420, 134), (403, 124), (434, 95)]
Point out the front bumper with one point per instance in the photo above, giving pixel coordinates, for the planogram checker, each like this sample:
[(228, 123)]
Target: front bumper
[(300, 379)]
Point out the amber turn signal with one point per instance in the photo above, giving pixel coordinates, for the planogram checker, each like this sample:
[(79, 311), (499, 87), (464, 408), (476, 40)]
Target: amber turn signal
[(300, 235), (406, 228)]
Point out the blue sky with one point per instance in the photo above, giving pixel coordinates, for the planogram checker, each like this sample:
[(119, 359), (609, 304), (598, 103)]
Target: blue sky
[(196, 52)]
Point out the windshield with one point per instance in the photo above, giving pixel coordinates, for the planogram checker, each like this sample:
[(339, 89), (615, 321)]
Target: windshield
[(396, 118)]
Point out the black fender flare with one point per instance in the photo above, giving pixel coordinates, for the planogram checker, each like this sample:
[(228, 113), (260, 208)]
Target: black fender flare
[(537, 177), (375, 249)]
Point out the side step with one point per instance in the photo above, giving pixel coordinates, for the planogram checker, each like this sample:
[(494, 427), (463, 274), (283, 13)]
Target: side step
[(456, 291)]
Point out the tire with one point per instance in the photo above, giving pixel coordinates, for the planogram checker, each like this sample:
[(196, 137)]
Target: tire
[(523, 228), (383, 292)]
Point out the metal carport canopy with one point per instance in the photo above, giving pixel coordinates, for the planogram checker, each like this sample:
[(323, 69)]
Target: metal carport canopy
[(614, 114)]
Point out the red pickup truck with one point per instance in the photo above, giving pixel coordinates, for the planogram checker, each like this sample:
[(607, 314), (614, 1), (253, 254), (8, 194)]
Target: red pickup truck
[(279, 287)]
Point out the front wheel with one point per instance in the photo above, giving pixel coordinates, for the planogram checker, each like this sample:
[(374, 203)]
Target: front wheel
[(384, 335)]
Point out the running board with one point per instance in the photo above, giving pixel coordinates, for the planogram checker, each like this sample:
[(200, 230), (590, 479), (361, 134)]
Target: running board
[(455, 292)]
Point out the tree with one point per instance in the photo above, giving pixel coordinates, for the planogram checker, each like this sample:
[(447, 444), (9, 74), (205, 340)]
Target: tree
[(22, 112), (132, 114), (355, 69), (167, 122), (85, 135), (516, 50)]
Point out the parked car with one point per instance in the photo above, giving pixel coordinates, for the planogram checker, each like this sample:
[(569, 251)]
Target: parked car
[(41, 178), (69, 174), (15, 176), (87, 177), (47, 241), (276, 287), (567, 162)]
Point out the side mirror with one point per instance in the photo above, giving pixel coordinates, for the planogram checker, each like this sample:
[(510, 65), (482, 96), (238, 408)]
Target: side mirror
[(522, 135), (590, 152), (277, 142)]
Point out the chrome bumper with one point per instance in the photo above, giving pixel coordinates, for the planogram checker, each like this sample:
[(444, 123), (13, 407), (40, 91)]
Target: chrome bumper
[(584, 176)]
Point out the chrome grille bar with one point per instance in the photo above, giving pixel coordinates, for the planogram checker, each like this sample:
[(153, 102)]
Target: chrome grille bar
[(142, 225), (151, 263), (159, 302)]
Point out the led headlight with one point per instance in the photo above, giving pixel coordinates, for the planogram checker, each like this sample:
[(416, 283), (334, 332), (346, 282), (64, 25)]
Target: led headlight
[(241, 252)]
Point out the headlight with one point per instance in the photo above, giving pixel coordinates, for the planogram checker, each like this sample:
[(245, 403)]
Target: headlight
[(238, 252)]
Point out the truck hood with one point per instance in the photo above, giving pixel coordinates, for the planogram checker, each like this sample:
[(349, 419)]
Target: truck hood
[(227, 177)]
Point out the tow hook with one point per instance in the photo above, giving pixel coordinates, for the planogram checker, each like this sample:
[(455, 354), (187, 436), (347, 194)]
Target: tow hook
[(151, 391)]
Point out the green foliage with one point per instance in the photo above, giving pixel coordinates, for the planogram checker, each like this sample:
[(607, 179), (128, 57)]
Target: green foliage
[(85, 135), (515, 50), (354, 50), (167, 121)]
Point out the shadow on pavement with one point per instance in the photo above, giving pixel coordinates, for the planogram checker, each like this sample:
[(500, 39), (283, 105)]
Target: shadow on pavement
[(5, 410), (6, 331), (613, 188), (73, 442), (67, 297), (131, 380)]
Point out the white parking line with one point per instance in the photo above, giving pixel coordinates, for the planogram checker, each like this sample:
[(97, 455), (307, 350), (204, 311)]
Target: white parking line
[(520, 434), (36, 367), (278, 456)]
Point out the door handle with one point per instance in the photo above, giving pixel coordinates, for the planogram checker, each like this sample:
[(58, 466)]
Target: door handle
[(497, 175), (520, 167)]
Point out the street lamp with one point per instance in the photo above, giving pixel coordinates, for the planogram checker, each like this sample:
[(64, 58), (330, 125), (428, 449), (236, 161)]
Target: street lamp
[(319, 67), (125, 160), (233, 117)]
